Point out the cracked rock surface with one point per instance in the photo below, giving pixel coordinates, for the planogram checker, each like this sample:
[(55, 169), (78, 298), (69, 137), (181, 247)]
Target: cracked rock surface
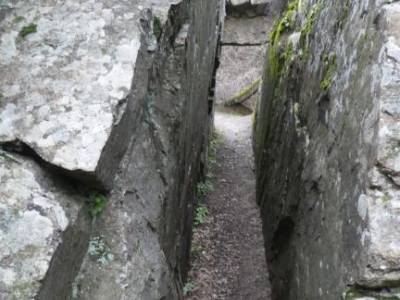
[(108, 98), (68, 82), (38, 213)]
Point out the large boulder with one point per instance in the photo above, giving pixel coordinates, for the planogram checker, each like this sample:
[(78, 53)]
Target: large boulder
[(326, 139), (44, 231), (70, 69), (113, 101)]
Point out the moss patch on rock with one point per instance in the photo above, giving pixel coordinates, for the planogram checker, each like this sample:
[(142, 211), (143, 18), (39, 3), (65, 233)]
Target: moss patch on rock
[(27, 30)]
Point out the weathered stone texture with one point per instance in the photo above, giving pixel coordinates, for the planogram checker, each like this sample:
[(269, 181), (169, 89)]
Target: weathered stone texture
[(326, 142), (116, 96), (67, 84), (37, 216)]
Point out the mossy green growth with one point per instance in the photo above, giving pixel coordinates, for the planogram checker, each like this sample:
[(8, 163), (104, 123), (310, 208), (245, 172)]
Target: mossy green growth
[(157, 27), (203, 188), (330, 66), (189, 287), (245, 93), (27, 30), (345, 11), (201, 215), (286, 23), (308, 26), (213, 145), (97, 203), (196, 250), (311, 18), (355, 294)]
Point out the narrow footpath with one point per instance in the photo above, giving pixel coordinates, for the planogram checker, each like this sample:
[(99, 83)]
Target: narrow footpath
[(228, 249)]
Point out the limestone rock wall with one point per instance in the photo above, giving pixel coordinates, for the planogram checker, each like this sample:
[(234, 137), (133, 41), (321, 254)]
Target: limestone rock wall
[(326, 141), (105, 110)]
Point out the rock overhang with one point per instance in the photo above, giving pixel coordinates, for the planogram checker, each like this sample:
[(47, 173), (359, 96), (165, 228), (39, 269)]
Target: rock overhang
[(64, 85)]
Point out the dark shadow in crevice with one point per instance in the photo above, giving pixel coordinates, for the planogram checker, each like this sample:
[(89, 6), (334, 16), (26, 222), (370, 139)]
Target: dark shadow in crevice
[(282, 236), (74, 177)]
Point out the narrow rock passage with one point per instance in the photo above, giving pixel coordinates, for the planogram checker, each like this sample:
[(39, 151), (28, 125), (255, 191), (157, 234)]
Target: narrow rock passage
[(232, 262)]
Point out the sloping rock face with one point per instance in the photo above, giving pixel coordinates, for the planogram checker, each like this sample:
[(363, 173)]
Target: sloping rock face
[(42, 222), (108, 105), (327, 151)]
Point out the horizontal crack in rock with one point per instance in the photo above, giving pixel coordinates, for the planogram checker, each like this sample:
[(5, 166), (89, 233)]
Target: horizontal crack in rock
[(77, 176)]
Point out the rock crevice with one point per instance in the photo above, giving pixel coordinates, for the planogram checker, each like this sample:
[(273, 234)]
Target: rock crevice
[(117, 96)]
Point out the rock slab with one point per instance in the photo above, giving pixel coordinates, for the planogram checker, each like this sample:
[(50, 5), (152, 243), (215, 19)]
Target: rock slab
[(326, 143)]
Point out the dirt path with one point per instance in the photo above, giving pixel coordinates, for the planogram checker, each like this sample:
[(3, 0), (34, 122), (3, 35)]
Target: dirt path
[(230, 261)]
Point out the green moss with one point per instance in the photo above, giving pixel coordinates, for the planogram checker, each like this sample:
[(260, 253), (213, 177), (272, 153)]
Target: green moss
[(27, 30), (308, 26), (245, 93), (157, 27), (201, 215), (189, 287), (345, 11), (286, 23), (203, 188), (359, 293), (196, 250), (280, 53), (97, 204), (330, 66)]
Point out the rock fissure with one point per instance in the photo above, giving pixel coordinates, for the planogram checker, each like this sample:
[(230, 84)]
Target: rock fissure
[(108, 158), (130, 104)]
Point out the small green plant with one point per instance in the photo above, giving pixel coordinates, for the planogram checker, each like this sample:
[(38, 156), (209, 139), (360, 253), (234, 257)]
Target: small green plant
[(27, 30), (190, 286), (97, 204), (331, 68), (201, 215), (203, 188), (157, 27), (196, 250), (212, 149)]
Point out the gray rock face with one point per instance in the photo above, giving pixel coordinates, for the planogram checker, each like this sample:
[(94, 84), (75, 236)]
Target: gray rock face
[(327, 136), (41, 221), (110, 95), (68, 82)]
